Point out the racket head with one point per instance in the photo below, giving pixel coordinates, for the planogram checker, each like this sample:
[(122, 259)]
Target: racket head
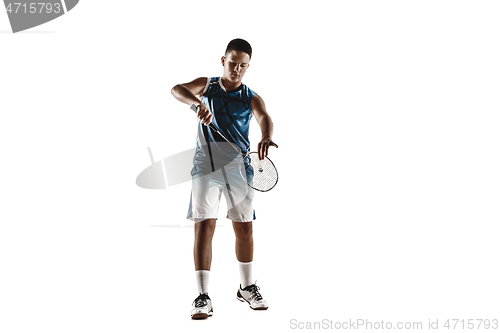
[(261, 175)]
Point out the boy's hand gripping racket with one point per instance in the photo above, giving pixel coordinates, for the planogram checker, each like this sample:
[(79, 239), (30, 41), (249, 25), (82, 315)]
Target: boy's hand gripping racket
[(265, 173)]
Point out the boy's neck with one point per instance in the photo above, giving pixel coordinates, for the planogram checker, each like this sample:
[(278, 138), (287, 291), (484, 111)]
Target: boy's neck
[(230, 85)]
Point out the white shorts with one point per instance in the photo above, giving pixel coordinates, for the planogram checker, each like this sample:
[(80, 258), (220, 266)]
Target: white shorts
[(206, 192)]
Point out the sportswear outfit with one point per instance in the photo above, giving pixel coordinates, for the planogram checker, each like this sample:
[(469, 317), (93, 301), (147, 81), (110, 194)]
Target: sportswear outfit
[(216, 164)]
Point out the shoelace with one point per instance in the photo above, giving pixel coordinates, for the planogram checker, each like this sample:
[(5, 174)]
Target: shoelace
[(254, 290), (201, 300)]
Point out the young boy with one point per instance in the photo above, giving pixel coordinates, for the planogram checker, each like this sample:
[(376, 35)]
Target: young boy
[(229, 105)]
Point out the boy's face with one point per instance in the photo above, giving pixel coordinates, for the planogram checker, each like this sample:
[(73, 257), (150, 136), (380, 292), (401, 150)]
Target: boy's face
[(235, 65)]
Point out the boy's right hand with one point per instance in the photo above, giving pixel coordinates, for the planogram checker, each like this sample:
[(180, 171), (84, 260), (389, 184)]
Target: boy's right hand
[(204, 114)]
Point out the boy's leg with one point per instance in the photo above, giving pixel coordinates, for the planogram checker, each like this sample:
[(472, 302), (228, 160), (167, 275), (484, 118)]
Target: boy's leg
[(244, 241), (244, 251), (202, 250), (203, 234), (248, 290)]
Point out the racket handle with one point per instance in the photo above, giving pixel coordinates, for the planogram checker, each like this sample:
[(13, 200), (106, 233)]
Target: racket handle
[(195, 109)]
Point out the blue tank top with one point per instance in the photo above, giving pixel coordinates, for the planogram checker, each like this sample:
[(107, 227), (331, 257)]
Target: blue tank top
[(232, 113)]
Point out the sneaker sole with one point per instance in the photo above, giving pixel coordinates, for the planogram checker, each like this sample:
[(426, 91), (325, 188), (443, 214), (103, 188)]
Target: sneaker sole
[(241, 299), (201, 315)]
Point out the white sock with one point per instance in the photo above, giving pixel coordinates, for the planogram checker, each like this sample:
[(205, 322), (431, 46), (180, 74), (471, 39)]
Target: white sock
[(202, 278), (245, 274)]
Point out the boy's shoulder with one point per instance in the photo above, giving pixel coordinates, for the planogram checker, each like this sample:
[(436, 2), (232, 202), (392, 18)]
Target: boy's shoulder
[(213, 80)]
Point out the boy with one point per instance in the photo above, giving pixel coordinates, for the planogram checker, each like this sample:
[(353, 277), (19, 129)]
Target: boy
[(229, 105)]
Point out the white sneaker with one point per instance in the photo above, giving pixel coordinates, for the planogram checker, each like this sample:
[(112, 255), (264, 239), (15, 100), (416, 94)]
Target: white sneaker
[(202, 307), (251, 295)]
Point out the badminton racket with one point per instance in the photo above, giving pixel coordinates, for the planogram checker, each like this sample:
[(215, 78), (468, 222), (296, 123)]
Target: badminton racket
[(265, 174)]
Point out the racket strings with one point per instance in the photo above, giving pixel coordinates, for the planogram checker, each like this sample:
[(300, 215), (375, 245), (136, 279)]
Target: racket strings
[(265, 175)]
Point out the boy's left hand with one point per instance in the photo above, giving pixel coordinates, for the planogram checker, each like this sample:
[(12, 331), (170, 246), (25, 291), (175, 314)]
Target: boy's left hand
[(263, 147)]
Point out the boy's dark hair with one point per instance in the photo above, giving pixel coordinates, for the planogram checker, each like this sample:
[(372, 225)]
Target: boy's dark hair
[(239, 44)]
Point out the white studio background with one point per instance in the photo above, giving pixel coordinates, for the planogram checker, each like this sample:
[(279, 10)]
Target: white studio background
[(387, 117)]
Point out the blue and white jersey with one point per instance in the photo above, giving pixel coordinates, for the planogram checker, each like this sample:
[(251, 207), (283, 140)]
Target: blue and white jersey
[(232, 113)]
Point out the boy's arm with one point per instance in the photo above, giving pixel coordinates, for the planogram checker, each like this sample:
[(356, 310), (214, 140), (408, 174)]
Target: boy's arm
[(187, 93), (266, 125)]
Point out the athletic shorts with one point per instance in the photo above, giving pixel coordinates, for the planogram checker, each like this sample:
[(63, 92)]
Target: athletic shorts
[(206, 193)]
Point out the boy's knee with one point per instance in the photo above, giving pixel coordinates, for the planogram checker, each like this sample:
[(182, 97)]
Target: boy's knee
[(243, 231), (205, 228)]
